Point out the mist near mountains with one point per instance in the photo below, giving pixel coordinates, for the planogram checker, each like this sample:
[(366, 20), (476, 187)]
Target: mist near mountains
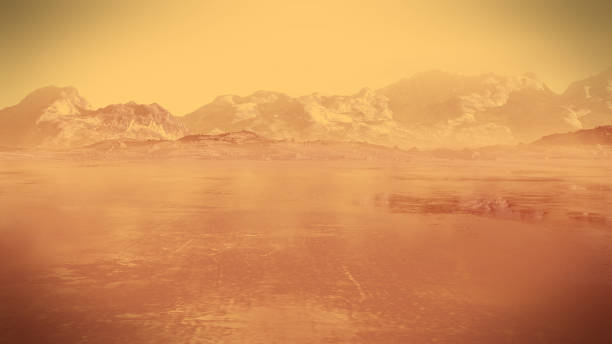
[(429, 110)]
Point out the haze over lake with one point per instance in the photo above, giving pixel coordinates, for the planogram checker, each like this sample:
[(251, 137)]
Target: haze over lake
[(302, 251)]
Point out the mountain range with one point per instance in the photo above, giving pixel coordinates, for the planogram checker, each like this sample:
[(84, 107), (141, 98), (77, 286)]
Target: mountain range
[(60, 117), (431, 110)]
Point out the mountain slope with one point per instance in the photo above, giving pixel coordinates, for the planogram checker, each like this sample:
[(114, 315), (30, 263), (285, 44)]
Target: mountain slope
[(118, 121), (364, 116), (24, 124), (489, 108), (60, 117), (597, 136), (431, 109), (588, 103)]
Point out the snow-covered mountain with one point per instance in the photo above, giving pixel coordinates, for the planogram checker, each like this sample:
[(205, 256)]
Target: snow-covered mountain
[(588, 103), (435, 96), (431, 109), (25, 123), (456, 110), (60, 117), (364, 116)]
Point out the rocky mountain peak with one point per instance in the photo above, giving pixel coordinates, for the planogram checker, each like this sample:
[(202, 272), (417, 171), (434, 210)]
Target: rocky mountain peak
[(46, 96), (132, 108)]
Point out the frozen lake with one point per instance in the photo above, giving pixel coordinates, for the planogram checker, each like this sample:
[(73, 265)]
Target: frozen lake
[(432, 251)]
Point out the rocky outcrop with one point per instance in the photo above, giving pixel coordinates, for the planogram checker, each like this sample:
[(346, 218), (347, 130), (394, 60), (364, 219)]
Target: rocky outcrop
[(60, 117)]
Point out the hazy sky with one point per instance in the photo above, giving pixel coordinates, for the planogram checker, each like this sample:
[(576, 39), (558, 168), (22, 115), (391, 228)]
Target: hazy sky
[(182, 54)]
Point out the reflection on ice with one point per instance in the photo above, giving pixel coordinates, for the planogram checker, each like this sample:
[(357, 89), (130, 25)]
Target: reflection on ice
[(305, 252)]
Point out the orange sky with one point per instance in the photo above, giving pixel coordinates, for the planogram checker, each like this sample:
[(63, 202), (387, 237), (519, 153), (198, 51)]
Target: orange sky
[(182, 56)]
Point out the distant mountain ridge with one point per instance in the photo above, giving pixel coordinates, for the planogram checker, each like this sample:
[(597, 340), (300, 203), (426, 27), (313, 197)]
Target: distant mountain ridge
[(24, 124), (60, 117), (588, 102), (364, 116), (597, 136), (241, 145), (484, 109), (246, 145), (430, 110)]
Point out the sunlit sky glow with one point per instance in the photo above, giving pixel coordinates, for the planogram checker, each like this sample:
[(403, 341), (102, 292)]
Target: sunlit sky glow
[(183, 54)]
